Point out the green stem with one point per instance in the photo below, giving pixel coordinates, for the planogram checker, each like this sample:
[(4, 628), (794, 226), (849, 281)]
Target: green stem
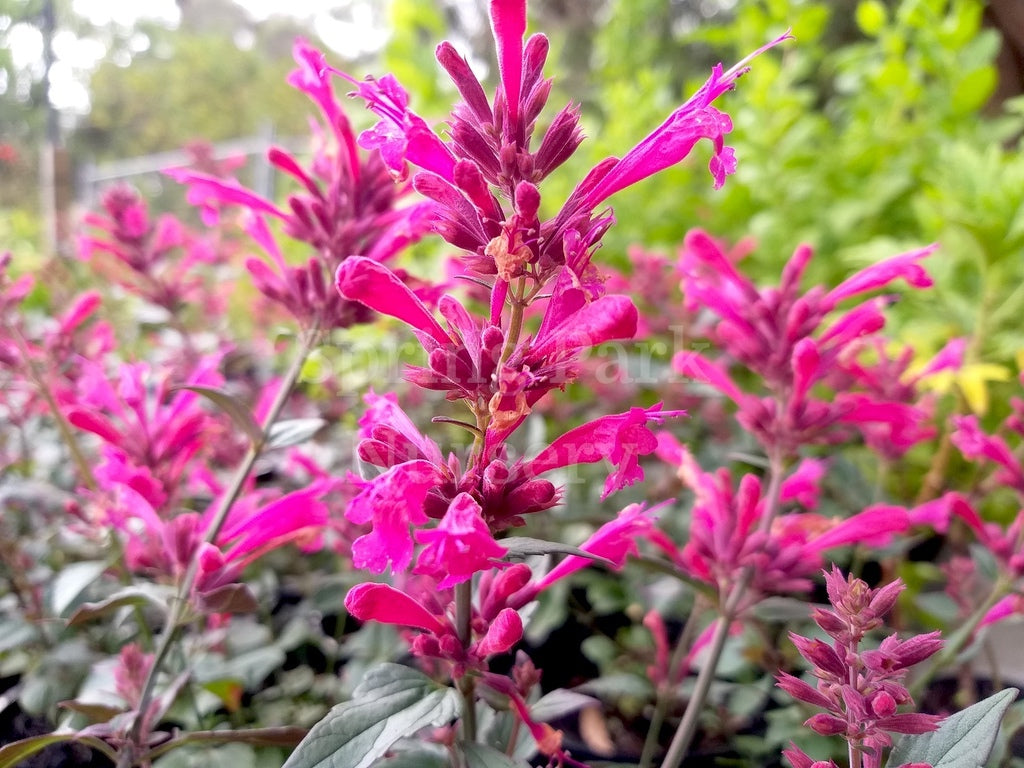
[(181, 602), (960, 639), (665, 690), (730, 607), (463, 618), (515, 323)]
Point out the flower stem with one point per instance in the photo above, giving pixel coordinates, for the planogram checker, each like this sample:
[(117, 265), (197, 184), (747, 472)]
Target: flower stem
[(960, 639), (664, 694), (463, 618), (66, 433), (181, 601), (730, 605)]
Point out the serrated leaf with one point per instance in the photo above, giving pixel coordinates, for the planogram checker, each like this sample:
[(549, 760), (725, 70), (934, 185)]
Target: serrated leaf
[(391, 702), (71, 582), (558, 703), (520, 547), (293, 431), (236, 410), (483, 756), (963, 740), (134, 595)]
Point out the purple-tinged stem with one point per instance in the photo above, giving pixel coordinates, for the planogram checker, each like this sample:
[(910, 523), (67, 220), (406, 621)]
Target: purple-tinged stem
[(729, 608), (181, 601)]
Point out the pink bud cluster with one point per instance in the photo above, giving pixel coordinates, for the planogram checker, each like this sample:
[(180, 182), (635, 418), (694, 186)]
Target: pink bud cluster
[(859, 690)]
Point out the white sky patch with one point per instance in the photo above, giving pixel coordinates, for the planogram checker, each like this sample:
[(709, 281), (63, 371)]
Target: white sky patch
[(360, 34), (126, 12)]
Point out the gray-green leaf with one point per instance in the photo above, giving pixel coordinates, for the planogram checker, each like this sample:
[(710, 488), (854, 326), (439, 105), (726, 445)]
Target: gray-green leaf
[(390, 703), (963, 740), (483, 756)]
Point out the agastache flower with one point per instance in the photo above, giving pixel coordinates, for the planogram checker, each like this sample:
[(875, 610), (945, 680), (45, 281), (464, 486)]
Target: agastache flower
[(793, 342), (161, 255), (418, 486), (727, 533), (150, 432), (859, 690), (489, 158), (346, 205)]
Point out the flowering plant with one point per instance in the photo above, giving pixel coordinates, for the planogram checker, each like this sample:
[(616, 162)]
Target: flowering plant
[(198, 461)]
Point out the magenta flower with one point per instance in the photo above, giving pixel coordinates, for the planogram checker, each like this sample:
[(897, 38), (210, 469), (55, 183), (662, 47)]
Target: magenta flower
[(465, 360), (346, 205), (418, 486), (794, 343), (164, 546), (613, 541), (859, 690), (151, 434), (488, 155), (161, 256), (726, 533), (426, 606), (459, 546)]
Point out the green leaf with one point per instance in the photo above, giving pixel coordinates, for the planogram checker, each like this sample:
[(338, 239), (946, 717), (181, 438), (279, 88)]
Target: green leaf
[(237, 410), (558, 703), (415, 758), (520, 547), (974, 89), (71, 582), (229, 598), (483, 756), (390, 703), (963, 740), (293, 432), (871, 17), (141, 594), (17, 752)]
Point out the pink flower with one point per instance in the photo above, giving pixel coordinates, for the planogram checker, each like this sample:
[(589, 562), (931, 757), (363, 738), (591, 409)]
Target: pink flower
[(345, 205), (622, 439), (489, 157), (859, 690), (614, 541), (459, 546), (392, 502), (791, 340)]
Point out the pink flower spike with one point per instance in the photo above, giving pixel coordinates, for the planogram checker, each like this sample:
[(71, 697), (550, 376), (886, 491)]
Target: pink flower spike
[(884, 272), (672, 140), (387, 605), (508, 22), (460, 546), (376, 286)]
